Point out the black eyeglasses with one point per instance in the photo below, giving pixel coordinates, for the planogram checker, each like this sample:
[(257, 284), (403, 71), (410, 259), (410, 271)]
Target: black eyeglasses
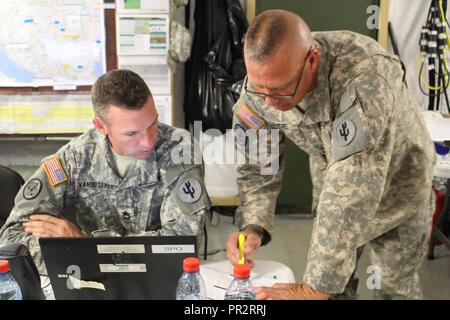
[(280, 96)]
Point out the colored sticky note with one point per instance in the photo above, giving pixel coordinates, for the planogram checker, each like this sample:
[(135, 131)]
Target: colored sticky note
[(132, 4)]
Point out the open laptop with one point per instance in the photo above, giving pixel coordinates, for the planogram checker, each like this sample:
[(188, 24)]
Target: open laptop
[(116, 267)]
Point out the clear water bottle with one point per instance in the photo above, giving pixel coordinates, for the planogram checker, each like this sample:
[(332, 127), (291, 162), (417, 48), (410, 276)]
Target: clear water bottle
[(241, 288), (191, 285), (9, 288)]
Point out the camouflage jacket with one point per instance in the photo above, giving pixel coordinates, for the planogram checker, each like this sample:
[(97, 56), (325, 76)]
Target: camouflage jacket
[(149, 200), (370, 153)]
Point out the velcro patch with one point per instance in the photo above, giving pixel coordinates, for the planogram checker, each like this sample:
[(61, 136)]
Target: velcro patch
[(249, 117), (32, 189), (348, 134), (345, 132), (55, 172), (190, 190)]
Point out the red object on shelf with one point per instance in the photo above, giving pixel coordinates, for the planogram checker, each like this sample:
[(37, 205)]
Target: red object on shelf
[(440, 197)]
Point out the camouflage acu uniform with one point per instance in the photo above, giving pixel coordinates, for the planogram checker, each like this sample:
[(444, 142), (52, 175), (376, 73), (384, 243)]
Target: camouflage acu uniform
[(372, 158), (149, 200)]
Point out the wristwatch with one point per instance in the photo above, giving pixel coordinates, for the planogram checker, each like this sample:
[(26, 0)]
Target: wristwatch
[(260, 231)]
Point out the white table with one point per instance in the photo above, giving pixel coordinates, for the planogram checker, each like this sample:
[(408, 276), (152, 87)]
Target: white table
[(219, 274)]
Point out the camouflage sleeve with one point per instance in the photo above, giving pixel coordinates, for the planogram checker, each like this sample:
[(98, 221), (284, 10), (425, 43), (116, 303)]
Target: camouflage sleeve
[(260, 169), (317, 167), (185, 205), (37, 195), (362, 145), (186, 202)]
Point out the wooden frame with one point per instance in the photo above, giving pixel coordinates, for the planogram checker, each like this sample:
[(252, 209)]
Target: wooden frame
[(225, 202), (251, 10), (383, 37)]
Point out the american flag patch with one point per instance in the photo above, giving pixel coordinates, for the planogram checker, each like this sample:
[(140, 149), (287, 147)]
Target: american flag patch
[(249, 118), (55, 171)]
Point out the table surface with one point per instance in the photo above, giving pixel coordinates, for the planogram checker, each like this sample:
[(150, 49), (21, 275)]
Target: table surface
[(219, 274)]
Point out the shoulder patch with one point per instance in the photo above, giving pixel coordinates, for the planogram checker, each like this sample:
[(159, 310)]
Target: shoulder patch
[(345, 132), (249, 117), (349, 136), (190, 190), (32, 189), (55, 172)]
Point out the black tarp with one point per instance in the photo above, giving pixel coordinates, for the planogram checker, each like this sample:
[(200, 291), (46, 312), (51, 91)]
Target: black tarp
[(215, 70)]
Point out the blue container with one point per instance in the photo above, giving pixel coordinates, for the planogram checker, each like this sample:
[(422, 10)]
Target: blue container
[(441, 149)]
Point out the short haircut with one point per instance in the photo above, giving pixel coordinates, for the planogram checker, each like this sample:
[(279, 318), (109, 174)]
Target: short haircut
[(264, 35), (121, 88)]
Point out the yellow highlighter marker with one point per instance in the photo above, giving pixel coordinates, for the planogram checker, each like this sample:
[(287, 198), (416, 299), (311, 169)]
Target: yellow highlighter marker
[(241, 249)]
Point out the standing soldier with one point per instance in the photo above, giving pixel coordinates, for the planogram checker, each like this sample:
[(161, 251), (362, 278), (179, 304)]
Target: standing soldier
[(340, 97)]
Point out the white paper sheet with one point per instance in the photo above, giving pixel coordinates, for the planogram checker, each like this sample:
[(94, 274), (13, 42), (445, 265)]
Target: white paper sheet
[(143, 34), (153, 69), (40, 114), (164, 107)]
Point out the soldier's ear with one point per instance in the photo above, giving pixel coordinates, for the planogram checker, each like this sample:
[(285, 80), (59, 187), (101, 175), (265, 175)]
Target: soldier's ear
[(100, 125), (314, 59)]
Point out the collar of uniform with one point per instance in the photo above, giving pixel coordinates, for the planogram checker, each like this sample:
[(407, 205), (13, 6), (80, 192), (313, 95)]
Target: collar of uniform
[(141, 173), (102, 168), (317, 103), (148, 171), (166, 140)]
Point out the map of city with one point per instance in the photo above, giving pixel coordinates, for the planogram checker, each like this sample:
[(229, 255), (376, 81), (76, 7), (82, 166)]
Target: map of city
[(51, 42)]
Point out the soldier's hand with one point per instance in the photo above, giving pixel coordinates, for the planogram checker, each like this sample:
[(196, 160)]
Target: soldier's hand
[(290, 291), (45, 225), (252, 243)]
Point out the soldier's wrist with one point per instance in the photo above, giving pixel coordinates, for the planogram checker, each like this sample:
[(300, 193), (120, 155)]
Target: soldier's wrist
[(260, 231)]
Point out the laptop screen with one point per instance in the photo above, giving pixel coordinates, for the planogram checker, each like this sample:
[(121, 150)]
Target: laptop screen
[(116, 267)]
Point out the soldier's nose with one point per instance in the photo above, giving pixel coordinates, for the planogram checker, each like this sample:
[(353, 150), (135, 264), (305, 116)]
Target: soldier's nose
[(272, 101), (145, 142)]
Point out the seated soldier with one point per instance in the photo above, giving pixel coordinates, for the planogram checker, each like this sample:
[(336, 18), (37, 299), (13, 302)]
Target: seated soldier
[(124, 177)]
